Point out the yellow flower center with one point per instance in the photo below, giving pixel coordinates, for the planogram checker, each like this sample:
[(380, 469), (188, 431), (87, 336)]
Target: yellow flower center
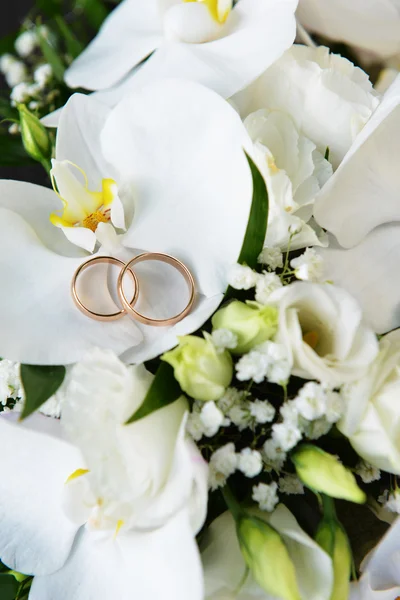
[(311, 338), (219, 9), (76, 474), (94, 219)]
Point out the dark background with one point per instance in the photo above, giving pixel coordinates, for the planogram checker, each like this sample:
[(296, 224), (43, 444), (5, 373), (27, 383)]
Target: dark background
[(12, 16)]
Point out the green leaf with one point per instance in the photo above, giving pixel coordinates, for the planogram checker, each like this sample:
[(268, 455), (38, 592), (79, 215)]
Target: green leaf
[(12, 152), (74, 46), (7, 42), (256, 230), (52, 57), (6, 110), (163, 391), (8, 587), (39, 383), (94, 11), (50, 8)]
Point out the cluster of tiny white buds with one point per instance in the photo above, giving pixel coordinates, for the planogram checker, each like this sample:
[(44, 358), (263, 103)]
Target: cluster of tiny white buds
[(212, 418), (290, 485), (393, 502), (262, 411), (240, 415), (267, 361), (309, 266), (266, 496), (241, 277), (311, 401), (42, 75), (223, 463), (250, 462), (14, 70), (274, 456), (223, 339), (10, 382), (272, 257), (367, 472), (286, 435), (265, 285), (231, 397), (26, 43)]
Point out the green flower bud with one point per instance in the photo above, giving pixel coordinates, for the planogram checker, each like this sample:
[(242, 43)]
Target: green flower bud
[(333, 539), (35, 136), (201, 371), (323, 472), (251, 322), (20, 577), (267, 557)]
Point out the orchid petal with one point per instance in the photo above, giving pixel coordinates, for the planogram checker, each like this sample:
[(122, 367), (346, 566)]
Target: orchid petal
[(36, 537), (369, 272), (191, 23), (364, 191), (131, 32), (197, 206), (80, 236), (254, 37), (383, 563), (123, 567), (38, 319)]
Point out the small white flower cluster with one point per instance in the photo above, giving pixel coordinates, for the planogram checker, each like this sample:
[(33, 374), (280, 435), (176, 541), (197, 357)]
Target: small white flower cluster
[(272, 257), (10, 384), (267, 361), (367, 472), (309, 266), (266, 495), (223, 339), (241, 277), (391, 500), (225, 461)]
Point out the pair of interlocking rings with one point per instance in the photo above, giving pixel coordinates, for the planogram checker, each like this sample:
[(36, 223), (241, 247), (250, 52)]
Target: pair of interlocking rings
[(128, 306)]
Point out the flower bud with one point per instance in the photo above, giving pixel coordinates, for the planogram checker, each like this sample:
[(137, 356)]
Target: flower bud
[(251, 322), (333, 539), (323, 472), (201, 371), (267, 557), (35, 137)]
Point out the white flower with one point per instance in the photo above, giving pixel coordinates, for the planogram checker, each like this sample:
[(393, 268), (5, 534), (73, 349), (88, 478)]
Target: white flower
[(14, 129), (253, 365), (290, 484), (43, 74), (115, 494), (328, 98), (240, 415), (308, 266), (10, 382), (224, 339), (360, 207), (311, 401), (212, 418), (195, 426), (223, 463), (20, 93), (232, 396), (274, 456), (286, 435), (16, 73), (294, 171), (262, 411), (119, 150), (241, 277), (322, 329), (224, 565), (367, 472), (26, 43), (6, 61), (268, 360), (372, 409), (272, 257), (266, 284), (393, 502), (265, 495), (181, 36), (289, 412), (250, 462), (313, 430), (334, 407), (372, 26)]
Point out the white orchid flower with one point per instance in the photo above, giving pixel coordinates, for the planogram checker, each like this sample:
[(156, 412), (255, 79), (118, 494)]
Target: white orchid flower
[(113, 512), (380, 569), (175, 151), (225, 47), (360, 206), (294, 171), (328, 98), (372, 25), (224, 566)]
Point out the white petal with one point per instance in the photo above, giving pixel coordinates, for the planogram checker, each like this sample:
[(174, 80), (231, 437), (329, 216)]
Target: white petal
[(118, 213), (163, 563), (194, 141), (131, 32), (255, 35), (383, 563), (38, 319), (78, 138), (370, 273), (80, 236), (35, 204), (191, 23), (370, 24), (364, 191), (36, 537)]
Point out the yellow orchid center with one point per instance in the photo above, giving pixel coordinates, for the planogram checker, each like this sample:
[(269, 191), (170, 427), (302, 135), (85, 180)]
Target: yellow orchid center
[(219, 9), (76, 474), (82, 207)]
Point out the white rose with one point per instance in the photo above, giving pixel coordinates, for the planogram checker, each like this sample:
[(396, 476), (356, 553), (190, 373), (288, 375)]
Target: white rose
[(321, 326), (329, 99), (224, 565), (380, 578), (373, 25), (371, 419), (294, 171)]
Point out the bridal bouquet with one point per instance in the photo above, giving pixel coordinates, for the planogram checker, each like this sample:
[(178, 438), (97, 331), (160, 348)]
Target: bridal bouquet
[(200, 309)]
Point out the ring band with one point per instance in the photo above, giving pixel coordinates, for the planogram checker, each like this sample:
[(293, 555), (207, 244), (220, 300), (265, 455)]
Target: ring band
[(90, 313), (170, 260)]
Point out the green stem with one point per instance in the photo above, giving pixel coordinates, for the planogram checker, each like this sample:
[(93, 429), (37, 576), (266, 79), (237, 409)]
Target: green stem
[(232, 503), (328, 505)]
